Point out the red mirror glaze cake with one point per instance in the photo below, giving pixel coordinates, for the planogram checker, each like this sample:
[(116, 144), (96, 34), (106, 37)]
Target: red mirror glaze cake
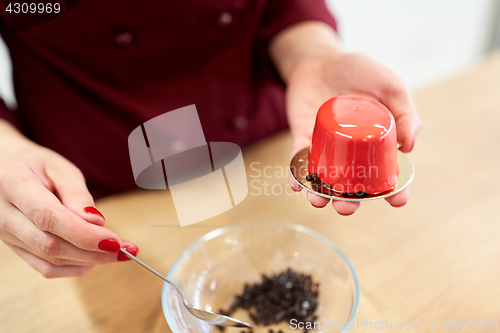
[(354, 146)]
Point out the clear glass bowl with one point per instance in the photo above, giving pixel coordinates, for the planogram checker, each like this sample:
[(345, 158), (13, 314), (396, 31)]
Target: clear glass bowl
[(216, 267)]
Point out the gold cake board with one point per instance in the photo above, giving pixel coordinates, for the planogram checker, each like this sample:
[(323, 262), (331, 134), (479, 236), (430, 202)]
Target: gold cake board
[(299, 171)]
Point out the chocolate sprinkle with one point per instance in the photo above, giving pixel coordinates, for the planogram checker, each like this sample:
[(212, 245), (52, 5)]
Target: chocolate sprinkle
[(278, 298), (319, 186)]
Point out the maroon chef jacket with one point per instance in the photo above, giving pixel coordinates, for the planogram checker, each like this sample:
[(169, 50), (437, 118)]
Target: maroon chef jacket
[(85, 80)]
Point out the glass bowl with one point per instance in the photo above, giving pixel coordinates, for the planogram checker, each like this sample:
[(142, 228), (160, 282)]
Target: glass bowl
[(216, 267)]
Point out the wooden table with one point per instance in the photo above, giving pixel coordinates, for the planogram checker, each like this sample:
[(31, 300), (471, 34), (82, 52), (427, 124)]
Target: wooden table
[(438, 258)]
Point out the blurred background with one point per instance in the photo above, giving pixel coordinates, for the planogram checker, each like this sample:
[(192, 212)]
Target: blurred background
[(424, 41)]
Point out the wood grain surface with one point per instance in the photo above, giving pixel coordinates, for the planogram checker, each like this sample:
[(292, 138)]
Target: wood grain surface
[(435, 259)]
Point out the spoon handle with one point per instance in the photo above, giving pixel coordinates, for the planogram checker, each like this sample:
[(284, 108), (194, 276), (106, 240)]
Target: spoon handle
[(197, 312), (143, 264)]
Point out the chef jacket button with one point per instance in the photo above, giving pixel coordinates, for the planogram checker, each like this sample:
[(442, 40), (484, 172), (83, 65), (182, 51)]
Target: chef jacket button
[(224, 19), (124, 38), (240, 122)]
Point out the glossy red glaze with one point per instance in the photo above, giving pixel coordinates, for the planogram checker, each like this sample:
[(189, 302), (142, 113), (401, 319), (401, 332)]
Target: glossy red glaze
[(354, 147)]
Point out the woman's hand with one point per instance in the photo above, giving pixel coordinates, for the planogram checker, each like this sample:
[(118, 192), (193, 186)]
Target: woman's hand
[(47, 215), (315, 70)]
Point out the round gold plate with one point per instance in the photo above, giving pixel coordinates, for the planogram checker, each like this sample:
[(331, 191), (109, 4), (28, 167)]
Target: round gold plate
[(299, 171)]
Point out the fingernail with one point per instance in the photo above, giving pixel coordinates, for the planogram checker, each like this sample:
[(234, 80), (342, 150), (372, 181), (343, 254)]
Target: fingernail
[(93, 210), (109, 245), (130, 249)]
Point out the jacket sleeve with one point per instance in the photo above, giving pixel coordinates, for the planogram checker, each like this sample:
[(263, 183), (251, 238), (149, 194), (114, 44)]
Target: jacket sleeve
[(283, 13)]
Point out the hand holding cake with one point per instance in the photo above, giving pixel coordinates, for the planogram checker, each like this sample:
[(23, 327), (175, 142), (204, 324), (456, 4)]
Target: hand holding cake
[(326, 71)]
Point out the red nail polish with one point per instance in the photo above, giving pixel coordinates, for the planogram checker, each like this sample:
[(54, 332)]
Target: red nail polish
[(109, 245), (93, 210), (130, 249)]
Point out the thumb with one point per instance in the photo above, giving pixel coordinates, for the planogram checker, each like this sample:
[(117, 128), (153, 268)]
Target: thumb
[(298, 143), (408, 123), (407, 127), (69, 185)]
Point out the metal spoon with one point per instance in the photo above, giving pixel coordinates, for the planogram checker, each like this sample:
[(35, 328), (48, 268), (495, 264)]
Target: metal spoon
[(208, 316)]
